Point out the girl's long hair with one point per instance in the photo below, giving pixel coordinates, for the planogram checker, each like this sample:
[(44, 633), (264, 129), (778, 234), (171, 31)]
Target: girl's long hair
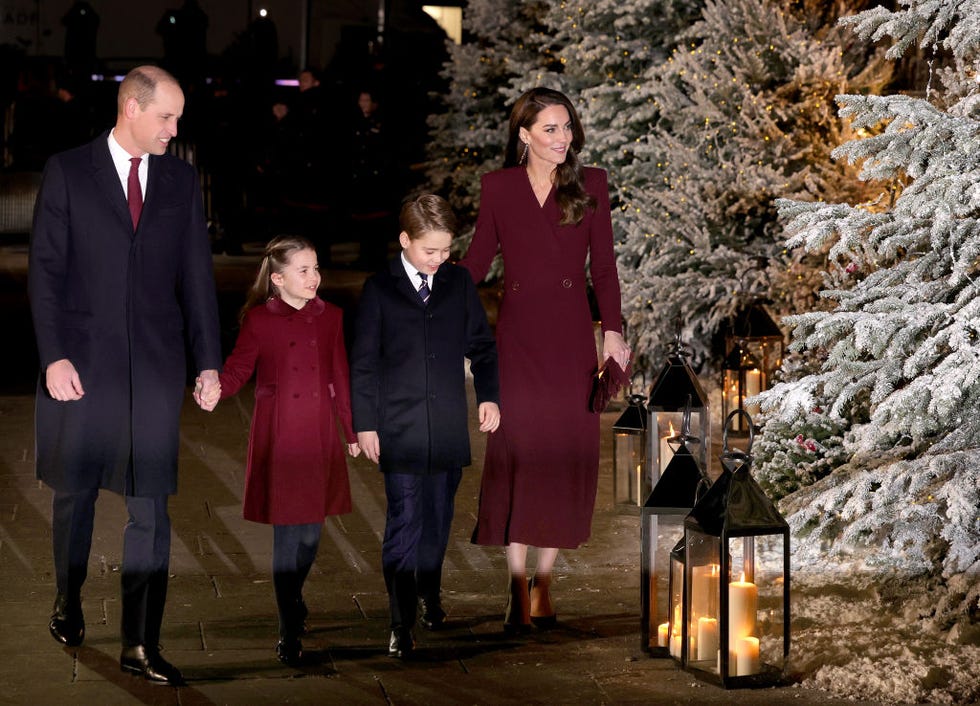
[(276, 258), (570, 191)]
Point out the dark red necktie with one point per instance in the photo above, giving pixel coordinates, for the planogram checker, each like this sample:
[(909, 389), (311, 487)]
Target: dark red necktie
[(134, 193)]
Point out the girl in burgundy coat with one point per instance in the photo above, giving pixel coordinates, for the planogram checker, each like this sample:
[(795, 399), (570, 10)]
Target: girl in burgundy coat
[(296, 474)]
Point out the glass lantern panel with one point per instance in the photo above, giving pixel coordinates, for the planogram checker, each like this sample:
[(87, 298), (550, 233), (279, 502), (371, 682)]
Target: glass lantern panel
[(673, 632), (664, 425), (768, 351), (756, 605), (664, 532), (737, 385), (631, 484), (702, 588)]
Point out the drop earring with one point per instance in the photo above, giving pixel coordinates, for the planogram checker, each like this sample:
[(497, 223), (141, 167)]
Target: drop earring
[(523, 158)]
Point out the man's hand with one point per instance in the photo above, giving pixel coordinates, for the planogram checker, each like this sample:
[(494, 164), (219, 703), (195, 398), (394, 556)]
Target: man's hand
[(207, 390), (62, 381)]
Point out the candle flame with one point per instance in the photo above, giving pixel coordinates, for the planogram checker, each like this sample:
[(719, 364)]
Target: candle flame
[(742, 578)]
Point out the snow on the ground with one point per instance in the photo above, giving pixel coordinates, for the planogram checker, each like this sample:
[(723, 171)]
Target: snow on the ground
[(859, 639)]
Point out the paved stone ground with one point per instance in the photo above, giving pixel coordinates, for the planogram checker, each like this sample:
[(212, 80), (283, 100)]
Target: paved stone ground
[(220, 625)]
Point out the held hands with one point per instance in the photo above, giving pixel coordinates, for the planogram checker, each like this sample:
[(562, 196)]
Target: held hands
[(489, 414), (614, 346), (207, 390), (354, 450), (62, 381), (370, 444)]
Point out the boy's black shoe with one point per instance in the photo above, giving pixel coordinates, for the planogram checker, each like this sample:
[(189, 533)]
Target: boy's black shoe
[(431, 614), (401, 644)]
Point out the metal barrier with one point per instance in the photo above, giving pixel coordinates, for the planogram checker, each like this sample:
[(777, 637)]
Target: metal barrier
[(18, 190)]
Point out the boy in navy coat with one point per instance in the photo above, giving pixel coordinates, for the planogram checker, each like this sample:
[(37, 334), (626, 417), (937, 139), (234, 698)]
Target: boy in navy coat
[(416, 323)]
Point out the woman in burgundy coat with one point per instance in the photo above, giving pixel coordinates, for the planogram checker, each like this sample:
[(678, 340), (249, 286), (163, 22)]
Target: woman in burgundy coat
[(547, 215), (296, 473)]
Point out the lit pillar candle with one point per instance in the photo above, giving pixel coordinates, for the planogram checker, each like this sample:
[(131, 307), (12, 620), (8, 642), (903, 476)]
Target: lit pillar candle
[(639, 499), (704, 581), (662, 630), (707, 639), (753, 386), (743, 601), (747, 656), (675, 646)]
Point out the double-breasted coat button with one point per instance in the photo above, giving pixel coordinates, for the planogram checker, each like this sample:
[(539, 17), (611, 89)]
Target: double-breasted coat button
[(566, 283), (515, 285)]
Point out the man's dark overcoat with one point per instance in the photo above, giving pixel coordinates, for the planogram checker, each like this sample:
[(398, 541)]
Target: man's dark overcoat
[(121, 306)]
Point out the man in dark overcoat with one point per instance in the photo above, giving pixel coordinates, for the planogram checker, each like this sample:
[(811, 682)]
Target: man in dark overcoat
[(120, 281)]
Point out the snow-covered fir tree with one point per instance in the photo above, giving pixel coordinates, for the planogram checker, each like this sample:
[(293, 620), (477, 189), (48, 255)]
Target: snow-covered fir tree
[(744, 113), (605, 48), (502, 43), (894, 398)]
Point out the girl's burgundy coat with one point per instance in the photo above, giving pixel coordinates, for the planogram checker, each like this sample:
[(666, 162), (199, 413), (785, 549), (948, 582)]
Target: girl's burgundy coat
[(297, 472)]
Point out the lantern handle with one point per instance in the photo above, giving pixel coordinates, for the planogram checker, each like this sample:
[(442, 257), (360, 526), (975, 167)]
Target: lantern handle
[(703, 485), (728, 425), (685, 435), (677, 347), (686, 420)]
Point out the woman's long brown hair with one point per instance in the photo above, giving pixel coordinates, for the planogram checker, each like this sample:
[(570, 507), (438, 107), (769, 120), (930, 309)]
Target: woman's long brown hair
[(570, 191)]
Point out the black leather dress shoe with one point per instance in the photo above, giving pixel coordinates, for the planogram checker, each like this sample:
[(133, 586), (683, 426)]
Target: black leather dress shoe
[(67, 624), (431, 614), (139, 661), (401, 644), (290, 652)]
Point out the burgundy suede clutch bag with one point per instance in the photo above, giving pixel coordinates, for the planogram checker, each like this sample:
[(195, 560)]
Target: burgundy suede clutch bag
[(606, 384)]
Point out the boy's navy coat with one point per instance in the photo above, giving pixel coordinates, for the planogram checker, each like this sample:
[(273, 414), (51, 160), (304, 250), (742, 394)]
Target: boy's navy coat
[(408, 379)]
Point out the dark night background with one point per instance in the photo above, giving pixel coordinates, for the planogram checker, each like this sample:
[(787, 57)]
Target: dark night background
[(324, 170)]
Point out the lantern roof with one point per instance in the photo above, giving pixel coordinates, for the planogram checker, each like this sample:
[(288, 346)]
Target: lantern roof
[(634, 417), (735, 504), (755, 322), (676, 491), (675, 385)]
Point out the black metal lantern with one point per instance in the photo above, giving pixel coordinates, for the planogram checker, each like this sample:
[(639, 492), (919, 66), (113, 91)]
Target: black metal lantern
[(661, 526), (631, 479), (674, 389), (753, 353), (736, 613)]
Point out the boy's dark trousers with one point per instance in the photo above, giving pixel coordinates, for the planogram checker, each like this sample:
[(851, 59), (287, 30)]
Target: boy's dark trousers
[(419, 517)]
